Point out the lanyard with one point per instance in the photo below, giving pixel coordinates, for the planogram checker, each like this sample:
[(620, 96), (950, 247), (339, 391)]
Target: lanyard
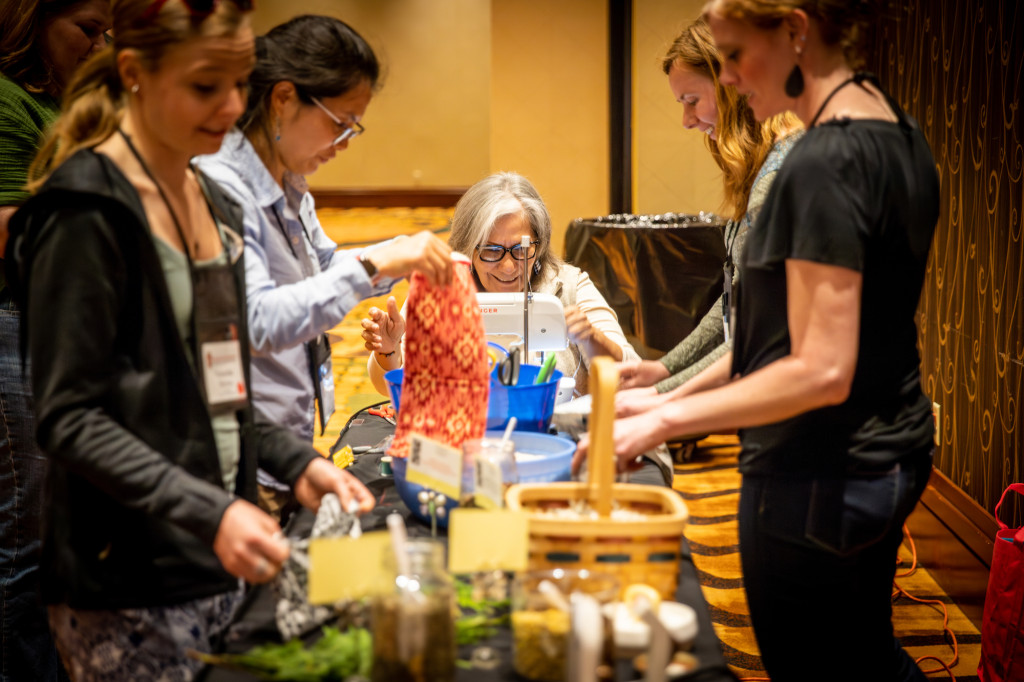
[(167, 203), (318, 351), (215, 316), (305, 262)]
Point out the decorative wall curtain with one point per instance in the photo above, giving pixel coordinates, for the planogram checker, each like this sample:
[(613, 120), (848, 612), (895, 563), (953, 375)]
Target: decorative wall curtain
[(958, 68)]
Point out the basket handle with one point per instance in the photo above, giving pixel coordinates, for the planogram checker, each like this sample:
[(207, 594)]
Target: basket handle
[(604, 380)]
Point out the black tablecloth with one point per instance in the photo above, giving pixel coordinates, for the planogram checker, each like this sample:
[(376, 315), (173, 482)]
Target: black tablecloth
[(254, 622)]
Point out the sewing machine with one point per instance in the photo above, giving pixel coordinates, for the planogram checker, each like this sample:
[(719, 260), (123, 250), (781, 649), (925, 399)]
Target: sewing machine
[(503, 319)]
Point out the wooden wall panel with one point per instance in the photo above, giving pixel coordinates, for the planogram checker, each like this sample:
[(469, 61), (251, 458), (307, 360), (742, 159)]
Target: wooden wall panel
[(958, 68)]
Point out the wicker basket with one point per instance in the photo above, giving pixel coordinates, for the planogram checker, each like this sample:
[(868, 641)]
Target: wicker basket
[(636, 550)]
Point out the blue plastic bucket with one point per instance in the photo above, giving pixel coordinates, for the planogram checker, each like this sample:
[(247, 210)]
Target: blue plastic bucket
[(531, 405)]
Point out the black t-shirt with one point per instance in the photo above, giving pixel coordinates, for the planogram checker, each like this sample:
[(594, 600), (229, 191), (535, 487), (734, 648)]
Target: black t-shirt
[(863, 195)]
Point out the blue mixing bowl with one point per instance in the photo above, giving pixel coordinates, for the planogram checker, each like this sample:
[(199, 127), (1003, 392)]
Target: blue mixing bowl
[(541, 458)]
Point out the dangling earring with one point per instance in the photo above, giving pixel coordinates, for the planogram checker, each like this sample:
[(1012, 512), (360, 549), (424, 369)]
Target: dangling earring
[(795, 81), (277, 131), (536, 267)]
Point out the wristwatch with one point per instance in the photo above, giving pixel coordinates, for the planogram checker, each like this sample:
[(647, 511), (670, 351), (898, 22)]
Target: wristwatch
[(371, 269)]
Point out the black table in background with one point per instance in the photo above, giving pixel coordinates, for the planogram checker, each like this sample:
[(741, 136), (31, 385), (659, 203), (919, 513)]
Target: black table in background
[(254, 622)]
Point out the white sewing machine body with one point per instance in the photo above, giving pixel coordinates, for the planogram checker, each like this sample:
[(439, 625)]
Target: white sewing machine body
[(503, 319)]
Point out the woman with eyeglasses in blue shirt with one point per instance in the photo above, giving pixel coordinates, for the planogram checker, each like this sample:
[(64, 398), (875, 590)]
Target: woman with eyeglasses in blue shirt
[(313, 79)]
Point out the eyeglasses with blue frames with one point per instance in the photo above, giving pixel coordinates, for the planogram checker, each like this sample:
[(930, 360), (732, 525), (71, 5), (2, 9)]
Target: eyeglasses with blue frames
[(352, 129), (493, 253)]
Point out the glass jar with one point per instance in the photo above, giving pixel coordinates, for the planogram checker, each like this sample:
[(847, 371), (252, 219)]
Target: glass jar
[(413, 626), (541, 621), (488, 470)]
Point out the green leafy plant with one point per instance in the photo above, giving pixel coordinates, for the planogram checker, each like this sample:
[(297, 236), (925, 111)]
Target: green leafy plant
[(480, 617), (334, 657)]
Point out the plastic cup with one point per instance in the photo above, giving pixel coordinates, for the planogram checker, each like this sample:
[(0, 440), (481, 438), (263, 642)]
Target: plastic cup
[(488, 469)]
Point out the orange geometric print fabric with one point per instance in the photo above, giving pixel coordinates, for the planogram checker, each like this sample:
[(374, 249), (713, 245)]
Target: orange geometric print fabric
[(445, 382)]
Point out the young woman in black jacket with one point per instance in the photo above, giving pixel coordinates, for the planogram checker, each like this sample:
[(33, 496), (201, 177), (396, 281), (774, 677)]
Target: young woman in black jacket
[(129, 266)]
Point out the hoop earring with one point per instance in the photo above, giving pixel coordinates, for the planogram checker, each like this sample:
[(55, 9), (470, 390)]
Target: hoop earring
[(794, 86)]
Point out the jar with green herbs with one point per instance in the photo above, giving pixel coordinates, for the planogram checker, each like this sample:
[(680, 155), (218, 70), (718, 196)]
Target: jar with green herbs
[(413, 625)]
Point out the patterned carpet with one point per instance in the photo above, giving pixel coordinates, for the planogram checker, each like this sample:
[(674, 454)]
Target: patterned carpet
[(709, 483)]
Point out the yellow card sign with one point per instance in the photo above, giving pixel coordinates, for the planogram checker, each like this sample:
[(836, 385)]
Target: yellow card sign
[(346, 568), (480, 540)]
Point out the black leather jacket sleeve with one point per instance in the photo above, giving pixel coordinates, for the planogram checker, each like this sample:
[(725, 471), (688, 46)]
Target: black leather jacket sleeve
[(82, 296)]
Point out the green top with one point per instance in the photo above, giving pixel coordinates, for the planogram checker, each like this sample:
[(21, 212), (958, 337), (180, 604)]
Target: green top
[(179, 286), (24, 117), (706, 343)]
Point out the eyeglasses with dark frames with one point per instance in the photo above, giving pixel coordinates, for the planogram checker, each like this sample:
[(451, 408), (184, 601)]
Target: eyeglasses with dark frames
[(352, 129), (494, 253), (199, 9)]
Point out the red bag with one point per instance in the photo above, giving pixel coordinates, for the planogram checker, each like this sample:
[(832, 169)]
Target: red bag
[(1002, 625)]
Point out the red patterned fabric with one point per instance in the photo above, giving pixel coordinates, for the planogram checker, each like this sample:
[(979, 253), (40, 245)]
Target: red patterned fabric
[(445, 382)]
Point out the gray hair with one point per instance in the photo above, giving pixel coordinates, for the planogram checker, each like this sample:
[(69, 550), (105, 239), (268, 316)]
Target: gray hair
[(492, 198)]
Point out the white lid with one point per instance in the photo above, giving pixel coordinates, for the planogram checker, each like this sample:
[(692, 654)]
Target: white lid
[(679, 619)]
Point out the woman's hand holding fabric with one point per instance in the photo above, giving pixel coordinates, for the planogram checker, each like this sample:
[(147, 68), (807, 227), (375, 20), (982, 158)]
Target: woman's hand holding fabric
[(383, 330), (246, 545), (321, 477), (423, 252)]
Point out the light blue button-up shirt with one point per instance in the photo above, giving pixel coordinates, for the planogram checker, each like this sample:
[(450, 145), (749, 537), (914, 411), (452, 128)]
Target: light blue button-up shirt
[(290, 302)]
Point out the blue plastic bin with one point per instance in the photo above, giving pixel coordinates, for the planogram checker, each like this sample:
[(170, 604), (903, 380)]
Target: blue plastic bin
[(532, 406)]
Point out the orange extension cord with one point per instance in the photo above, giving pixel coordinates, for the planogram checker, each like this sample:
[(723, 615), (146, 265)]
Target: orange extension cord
[(896, 592)]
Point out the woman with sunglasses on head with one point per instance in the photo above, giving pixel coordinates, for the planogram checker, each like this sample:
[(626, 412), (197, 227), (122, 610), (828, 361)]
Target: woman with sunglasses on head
[(312, 82), (823, 380), (489, 223), (42, 43), (129, 268), (749, 154)]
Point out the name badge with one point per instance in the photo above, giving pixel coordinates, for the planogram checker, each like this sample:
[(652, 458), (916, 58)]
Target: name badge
[(223, 376), (326, 391)]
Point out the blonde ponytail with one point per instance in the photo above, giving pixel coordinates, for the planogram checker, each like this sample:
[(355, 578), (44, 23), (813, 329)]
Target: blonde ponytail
[(91, 114)]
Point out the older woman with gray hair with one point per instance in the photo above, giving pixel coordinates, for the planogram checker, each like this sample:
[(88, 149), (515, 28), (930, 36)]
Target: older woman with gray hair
[(489, 223)]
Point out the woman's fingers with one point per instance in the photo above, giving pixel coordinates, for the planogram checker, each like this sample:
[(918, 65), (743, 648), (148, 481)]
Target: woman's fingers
[(247, 543)]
